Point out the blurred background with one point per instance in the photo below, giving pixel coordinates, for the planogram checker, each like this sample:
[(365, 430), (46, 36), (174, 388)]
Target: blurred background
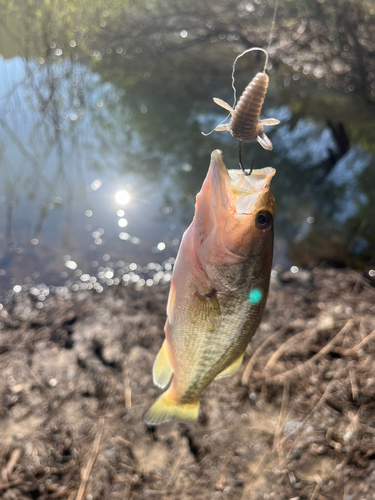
[(102, 104)]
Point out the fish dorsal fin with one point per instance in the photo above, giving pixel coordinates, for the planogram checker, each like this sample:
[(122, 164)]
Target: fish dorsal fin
[(231, 368), (205, 308), (162, 370)]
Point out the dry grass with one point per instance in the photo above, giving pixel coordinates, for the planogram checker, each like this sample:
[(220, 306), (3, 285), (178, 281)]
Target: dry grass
[(297, 421)]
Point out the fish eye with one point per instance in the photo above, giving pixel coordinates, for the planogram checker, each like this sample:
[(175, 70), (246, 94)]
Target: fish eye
[(264, 219)]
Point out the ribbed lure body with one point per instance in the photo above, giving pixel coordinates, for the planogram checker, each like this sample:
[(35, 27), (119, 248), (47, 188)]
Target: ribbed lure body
[(245, 124)]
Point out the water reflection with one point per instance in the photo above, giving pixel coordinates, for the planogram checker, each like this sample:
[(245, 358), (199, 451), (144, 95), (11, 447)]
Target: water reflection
[(102, 154), (122, 198)]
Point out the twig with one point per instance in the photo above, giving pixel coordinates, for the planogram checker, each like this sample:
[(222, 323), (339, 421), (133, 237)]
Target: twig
[(284, 348), (175, 471), (254, 357), (128, 397), (11, 484), (279, 428), (171, 479), (220, 485), (299, 369), (59, 494), (319, 484), (353, 350), (6, 444), (94, 453), (345, 492), (8, 469), (127, 490), (244, 495), (315, 407), (124, 441), (353, 383), (128, 389)]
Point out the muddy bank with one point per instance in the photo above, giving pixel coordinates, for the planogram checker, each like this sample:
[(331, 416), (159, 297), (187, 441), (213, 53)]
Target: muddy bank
[(296, 421)]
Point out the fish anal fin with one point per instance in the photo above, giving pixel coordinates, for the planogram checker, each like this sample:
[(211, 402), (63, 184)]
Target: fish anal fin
[(231, 368), (264, 142), (162, 370), (224, 105), (205, 308), (166, 408)]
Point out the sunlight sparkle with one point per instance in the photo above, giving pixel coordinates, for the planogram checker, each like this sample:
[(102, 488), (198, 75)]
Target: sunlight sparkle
[(122, 197)]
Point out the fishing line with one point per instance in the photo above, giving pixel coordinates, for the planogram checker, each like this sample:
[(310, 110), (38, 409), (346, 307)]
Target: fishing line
[(233, 87), (234, 64), (273, 24), (242, 54), (255, 48), (213, 130)]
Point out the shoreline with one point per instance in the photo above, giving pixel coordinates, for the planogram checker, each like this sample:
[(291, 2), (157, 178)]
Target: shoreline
[(295, 420)]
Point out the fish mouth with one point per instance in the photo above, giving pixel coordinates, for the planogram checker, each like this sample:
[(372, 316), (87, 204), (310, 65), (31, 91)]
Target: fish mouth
[(247, 192)]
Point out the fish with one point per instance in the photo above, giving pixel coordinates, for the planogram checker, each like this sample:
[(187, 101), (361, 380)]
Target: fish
[(218, 289)]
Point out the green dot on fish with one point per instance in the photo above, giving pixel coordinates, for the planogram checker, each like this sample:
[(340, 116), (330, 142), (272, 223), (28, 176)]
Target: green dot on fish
[(255, 296)]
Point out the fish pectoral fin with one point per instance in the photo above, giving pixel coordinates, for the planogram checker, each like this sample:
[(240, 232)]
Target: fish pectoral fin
[(269, 122), (166, 408), (264, 142), (231, 368), (205, 308), (162, 370), (171, 298), (224, 105)]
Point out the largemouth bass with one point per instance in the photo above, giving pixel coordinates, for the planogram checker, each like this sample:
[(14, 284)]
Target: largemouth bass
[(219, 288)]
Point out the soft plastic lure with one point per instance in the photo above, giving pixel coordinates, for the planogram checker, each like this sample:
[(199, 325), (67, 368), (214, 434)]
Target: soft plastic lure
[(245, 125)]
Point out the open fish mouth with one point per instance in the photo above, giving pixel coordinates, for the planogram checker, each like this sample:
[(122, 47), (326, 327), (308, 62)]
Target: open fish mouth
[(245, 190)]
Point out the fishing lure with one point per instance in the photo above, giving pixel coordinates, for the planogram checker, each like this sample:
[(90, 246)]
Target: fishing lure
[(245, 125)]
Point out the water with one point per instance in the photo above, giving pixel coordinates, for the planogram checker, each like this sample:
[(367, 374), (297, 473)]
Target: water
[(101, 156)]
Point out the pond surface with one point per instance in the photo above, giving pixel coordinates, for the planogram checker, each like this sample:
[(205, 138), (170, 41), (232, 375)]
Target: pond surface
[(100, 161)]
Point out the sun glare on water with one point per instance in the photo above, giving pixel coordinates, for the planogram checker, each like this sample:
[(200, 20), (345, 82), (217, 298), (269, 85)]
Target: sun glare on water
[(122, 197)]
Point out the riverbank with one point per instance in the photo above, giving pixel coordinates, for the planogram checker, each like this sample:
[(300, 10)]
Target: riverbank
[(296, 421)]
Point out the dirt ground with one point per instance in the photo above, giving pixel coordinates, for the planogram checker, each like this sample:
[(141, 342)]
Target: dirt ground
[(296, 422)]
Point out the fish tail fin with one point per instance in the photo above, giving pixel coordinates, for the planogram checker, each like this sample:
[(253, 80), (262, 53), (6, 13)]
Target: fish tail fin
[(166, 408)]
